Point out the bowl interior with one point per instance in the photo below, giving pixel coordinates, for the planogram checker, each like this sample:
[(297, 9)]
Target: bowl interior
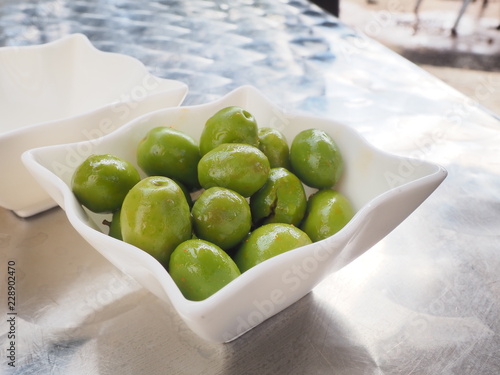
[(61, 79)]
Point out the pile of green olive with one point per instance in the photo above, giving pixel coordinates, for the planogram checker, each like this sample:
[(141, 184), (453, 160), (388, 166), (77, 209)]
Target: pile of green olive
[(250, 202)]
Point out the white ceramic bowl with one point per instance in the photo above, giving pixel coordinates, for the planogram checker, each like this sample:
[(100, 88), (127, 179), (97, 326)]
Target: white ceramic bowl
[(384, 190), (66, 91)]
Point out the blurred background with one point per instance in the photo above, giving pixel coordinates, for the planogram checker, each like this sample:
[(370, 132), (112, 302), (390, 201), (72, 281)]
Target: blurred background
[(459, 45)]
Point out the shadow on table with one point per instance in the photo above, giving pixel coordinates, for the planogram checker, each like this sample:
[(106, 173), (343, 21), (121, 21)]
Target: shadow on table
[(306, 337)]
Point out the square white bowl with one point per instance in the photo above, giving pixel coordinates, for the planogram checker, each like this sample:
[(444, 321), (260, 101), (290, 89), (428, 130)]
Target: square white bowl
[(383, 188), (66, 91)]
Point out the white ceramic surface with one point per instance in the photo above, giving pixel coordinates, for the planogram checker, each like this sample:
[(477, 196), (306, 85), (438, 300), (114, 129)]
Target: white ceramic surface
[(66, 91), (384, 190)]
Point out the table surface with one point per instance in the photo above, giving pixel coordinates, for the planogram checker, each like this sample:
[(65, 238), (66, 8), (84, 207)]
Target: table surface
[(425, 300)]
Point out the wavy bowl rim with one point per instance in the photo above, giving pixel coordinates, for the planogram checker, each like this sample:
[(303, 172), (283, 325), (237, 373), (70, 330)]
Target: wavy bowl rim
[(193, 309)]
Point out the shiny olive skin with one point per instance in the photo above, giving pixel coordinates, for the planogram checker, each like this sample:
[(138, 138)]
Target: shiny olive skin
[(222, 217), (282, 199), (239, 167), (274, 145), (171, 153), (101, 182), (268, 241), (200, 268), (229, 125), (155, 217), (328, 211), (316, 159)]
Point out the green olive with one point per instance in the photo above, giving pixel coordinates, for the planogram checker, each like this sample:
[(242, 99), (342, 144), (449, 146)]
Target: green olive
[(101, 182), (222, 217), (239, 167), (328, 211), (200, 268), (282, 199), (229, 125), (155, 217), (316, 159), (274, 145), (171, 153), (268, 241)]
